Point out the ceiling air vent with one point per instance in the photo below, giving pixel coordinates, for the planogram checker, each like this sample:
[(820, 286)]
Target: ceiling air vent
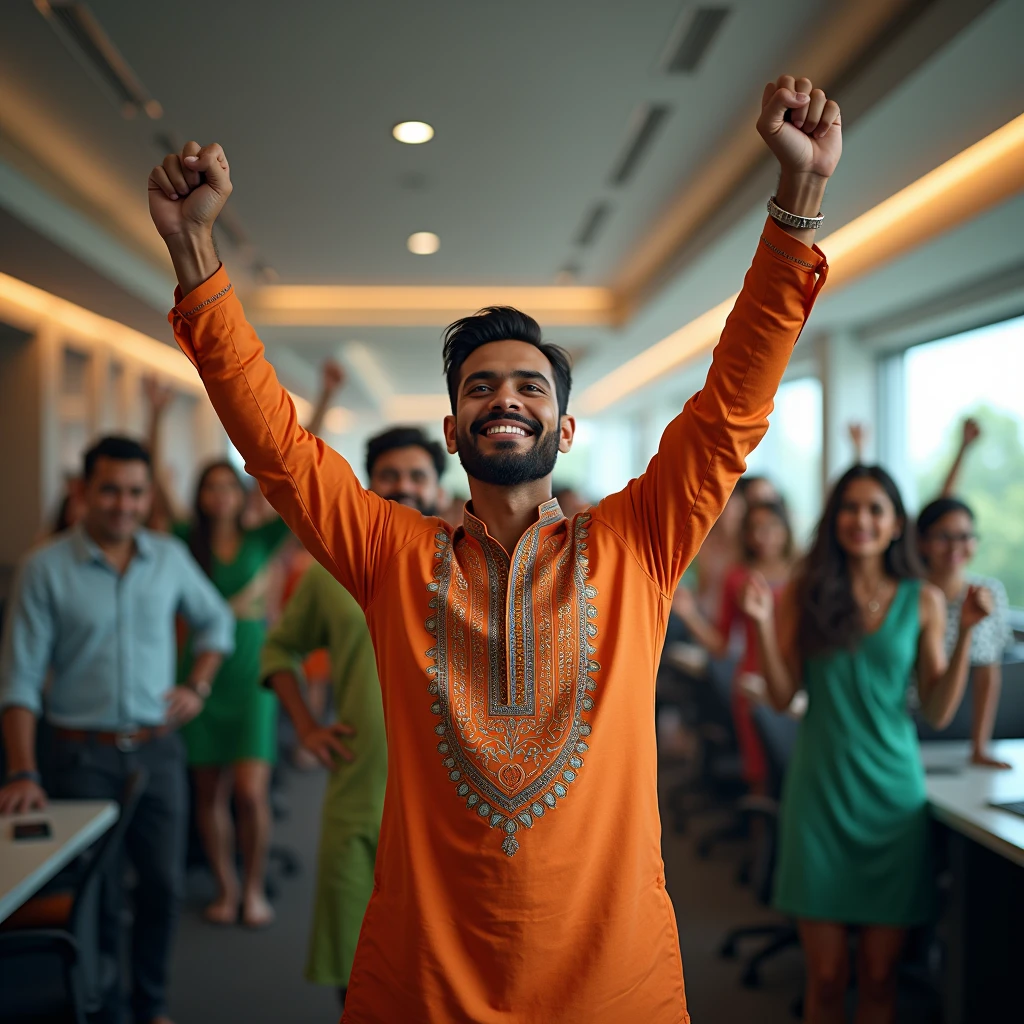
[(84, 37), (592, 223), (647, 119), (691, 38)]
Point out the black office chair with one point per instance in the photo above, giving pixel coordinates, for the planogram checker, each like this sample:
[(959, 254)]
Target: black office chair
[(51, 968), (1009, 722), (778, 737)]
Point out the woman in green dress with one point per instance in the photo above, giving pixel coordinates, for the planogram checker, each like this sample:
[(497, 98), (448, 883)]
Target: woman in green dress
[(232, 743), (854, 627)]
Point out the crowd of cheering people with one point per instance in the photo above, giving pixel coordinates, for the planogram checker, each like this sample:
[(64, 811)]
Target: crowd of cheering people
[(878, 612), (880, 616)]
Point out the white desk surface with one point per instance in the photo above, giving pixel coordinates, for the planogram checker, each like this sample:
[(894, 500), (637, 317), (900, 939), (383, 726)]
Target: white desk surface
[(961, 799), (28, 864)]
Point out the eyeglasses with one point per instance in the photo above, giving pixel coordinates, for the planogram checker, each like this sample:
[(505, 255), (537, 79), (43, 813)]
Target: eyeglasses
[(954, 538)]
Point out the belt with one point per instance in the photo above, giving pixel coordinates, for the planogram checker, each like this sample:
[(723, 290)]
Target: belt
[(125, 741)]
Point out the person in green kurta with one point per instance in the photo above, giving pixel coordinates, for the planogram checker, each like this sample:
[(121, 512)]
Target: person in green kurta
[(322, 614), (854, 628)]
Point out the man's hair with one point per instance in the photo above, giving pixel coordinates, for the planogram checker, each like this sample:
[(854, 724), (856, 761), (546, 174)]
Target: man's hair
[(404, 437), (123, 449), (501, 323)]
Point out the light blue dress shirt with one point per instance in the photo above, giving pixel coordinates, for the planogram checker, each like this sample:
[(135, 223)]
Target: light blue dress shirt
[(108, 639)]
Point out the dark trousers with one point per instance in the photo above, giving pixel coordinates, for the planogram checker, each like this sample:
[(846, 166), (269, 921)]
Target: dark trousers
[(155, 845)]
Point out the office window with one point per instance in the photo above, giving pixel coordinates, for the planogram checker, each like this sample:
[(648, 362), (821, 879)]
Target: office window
[(980, 374), (791, 453)]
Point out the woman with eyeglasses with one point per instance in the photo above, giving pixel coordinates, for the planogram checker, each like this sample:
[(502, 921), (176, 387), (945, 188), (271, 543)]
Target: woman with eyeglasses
[(947, 540)]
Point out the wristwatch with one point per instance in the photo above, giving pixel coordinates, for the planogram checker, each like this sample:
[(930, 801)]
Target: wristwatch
[(202, 688), (25, 776)]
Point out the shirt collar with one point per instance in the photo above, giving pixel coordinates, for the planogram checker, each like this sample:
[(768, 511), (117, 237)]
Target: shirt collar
[(86, 549), (548, 513)]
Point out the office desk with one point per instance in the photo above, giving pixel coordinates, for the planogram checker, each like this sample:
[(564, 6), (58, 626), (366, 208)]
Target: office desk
[(28, 864), (985, 905)]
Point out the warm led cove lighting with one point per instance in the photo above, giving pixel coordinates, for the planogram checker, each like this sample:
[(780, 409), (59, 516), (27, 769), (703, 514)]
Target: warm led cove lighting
[(413, 132), (423, 243)]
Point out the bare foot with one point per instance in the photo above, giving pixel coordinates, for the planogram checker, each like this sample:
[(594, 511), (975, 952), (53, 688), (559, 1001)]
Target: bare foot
[(984, 761), (257, 911), (223, 910)]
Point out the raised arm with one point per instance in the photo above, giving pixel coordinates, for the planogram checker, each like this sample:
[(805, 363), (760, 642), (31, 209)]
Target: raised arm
[(664, 515), (971, 433), (351, 531), (941, 682), (776, 638)]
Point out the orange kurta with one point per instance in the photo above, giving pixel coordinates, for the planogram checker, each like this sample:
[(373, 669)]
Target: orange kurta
[(519, 875)]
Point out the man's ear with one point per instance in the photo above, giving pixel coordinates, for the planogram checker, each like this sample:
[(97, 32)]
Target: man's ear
[(449, 434), (566, 432)]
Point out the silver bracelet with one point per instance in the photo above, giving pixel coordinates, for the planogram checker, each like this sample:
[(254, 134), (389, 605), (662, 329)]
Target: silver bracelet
[(791, 220)]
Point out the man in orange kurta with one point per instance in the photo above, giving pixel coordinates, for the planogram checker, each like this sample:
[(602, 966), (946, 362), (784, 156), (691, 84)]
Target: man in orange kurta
[(519, 876)]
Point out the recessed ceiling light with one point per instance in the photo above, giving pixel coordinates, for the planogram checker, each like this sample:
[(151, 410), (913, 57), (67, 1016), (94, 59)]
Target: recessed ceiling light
[(423, 243), (413, 132)]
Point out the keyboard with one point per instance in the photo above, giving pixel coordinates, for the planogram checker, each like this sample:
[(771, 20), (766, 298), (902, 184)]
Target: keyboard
[(1013, 806)]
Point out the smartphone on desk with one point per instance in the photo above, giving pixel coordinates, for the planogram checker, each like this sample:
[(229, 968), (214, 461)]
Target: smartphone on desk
[(26, 830)]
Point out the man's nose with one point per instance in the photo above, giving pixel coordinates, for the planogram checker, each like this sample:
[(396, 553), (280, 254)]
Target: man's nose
[(506, 397)]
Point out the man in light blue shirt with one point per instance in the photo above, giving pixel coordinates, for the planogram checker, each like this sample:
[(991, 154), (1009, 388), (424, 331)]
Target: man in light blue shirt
[(94, 610)]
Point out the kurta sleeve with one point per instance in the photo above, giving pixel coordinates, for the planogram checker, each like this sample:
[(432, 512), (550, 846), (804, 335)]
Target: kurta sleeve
[(351, 531), (665, 514)]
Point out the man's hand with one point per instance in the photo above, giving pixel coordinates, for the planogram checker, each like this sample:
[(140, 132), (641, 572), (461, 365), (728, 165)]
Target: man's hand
[(188, 190), (186, 194), (325, 744), (19, 797), (978, 605), (183, 704), (811, 141)]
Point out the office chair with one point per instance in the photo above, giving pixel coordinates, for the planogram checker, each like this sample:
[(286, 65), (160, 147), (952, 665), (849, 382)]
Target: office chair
[(51, 968), (777, 732)]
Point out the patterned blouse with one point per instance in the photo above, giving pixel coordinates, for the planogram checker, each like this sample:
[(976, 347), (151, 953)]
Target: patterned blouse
[(993, 635)]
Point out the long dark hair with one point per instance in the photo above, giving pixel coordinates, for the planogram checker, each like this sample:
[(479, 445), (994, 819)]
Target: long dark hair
[(200, 536), (829, 619)]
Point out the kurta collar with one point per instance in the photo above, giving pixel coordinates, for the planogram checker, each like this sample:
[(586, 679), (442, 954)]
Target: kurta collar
[(548, 513)]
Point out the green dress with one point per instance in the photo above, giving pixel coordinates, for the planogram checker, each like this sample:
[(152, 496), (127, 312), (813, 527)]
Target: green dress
[(320, 614), (239, 721), (854, 825)]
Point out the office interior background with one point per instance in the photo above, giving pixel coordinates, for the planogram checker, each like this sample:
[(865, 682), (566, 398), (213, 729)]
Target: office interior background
[(594, 163)]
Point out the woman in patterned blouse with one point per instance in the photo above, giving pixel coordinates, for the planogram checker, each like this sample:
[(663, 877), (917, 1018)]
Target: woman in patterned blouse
[(948, 540)]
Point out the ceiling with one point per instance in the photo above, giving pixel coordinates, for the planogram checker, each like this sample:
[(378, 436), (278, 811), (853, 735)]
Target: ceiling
[(533, 105)]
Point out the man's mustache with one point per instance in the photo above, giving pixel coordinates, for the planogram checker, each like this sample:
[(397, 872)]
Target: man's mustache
[(478, 426)]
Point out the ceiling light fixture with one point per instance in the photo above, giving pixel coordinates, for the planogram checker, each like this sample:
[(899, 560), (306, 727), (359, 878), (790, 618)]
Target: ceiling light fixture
[(413, 133), (423, 243)]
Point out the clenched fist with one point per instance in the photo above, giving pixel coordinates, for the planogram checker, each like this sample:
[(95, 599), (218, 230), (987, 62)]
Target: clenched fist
[(188, 190), (810, 142), (978, 605)]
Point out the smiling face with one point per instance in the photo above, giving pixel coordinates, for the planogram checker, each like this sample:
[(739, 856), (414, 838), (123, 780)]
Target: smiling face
[(765, 535), (118, 495), (407, 475), (221, 496), (950, 543), (507, 430), (866, 520)]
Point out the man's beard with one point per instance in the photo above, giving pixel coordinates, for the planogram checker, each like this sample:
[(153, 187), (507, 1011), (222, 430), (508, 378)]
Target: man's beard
[(403, 498), (509, 467)]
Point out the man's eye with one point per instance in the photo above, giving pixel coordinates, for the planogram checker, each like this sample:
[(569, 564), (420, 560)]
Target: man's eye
[(532, 386)]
